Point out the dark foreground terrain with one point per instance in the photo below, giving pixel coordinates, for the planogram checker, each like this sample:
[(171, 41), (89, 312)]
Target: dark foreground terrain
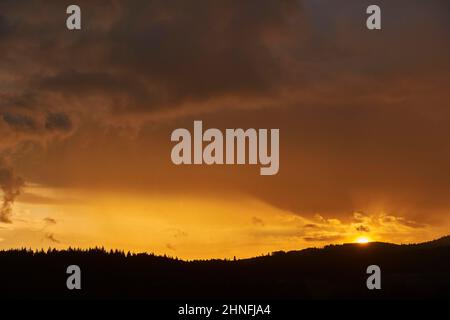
[(407, 271)]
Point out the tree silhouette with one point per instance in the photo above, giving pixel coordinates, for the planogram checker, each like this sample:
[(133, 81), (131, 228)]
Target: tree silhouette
[(336, 271)]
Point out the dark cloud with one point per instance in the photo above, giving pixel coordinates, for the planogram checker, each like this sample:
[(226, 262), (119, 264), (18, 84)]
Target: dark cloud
[(4, 27), (149, 59), (49, 220), (11, 186), (177, 233), (362, 228), (363, 115), (58, 122), (20, 122), (144, 56), (51, 237), (257, 221)]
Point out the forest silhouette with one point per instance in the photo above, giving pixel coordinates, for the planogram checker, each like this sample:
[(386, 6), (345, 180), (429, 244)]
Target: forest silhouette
[(333, 272)]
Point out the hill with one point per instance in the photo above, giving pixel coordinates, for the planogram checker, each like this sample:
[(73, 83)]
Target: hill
[(336, 271)]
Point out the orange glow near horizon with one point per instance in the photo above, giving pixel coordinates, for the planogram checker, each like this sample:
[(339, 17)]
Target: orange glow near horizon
[(187, 227), (87, 125), (363, 240)]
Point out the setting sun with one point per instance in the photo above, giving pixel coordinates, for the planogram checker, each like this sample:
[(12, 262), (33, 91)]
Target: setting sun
[(362, 240)]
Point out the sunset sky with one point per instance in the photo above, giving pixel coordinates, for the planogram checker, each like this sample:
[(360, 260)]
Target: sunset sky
[(86, 118)]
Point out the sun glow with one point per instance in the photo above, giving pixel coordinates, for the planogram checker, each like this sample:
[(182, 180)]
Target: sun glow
[(362, 240)]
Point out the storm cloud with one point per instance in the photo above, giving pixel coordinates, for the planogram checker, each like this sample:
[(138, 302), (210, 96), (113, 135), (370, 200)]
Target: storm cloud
[(11, 186), (363, 115)]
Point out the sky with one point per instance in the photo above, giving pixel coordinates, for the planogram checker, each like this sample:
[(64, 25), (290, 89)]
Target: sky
[(86, 118)]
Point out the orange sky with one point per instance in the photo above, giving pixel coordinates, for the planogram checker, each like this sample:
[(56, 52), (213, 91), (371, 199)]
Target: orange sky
[(86, 118), (189, 226)]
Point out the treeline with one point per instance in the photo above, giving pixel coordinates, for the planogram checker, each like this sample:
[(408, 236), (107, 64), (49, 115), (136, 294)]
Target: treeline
[(338, 271)]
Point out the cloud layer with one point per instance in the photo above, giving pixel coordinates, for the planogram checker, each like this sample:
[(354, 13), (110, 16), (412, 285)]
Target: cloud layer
[(363, 115)]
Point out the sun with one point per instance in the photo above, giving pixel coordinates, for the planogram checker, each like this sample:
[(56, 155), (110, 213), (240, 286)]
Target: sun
[(362, 240)]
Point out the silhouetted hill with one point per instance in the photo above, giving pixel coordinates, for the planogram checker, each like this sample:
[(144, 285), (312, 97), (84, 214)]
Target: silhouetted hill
[(441, 242), (336, 271)]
